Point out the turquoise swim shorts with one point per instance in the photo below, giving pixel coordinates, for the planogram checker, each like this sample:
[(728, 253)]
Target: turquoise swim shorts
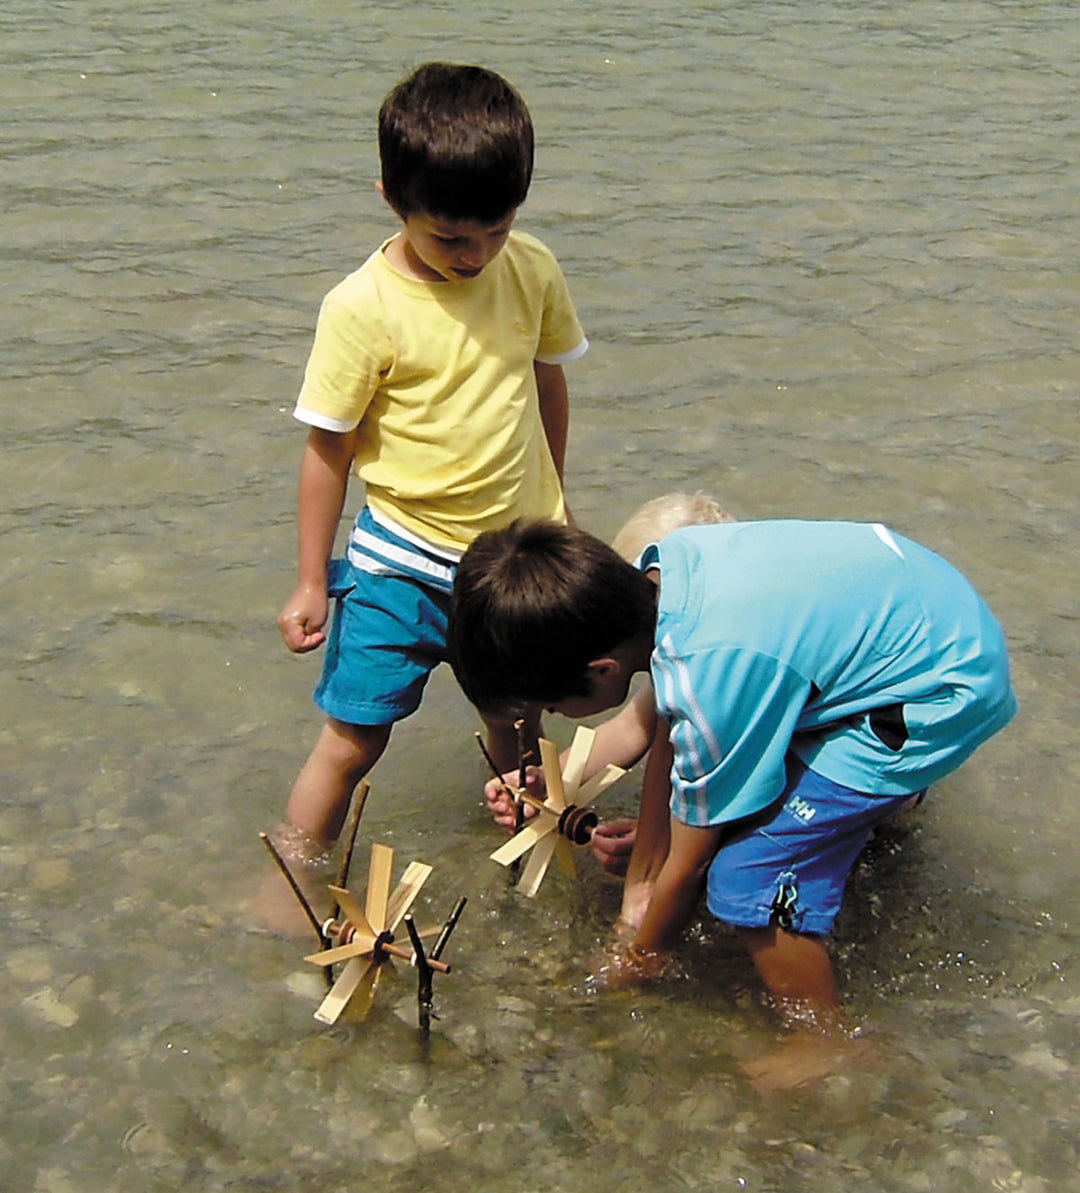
[(392, 598)]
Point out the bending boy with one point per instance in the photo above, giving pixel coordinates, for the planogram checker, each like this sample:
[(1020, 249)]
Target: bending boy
[(613, 840), (811, 677), (435, 377)]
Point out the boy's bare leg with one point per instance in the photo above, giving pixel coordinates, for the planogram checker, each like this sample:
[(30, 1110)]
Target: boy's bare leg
[(798, 974), (502, 737), (796, 970), (342, 756)]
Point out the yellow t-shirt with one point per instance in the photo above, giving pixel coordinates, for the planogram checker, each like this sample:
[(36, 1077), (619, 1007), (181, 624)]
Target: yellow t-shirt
[(439, 378)]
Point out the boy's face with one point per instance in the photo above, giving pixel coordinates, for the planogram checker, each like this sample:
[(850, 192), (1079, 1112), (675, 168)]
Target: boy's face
[(444, 250)]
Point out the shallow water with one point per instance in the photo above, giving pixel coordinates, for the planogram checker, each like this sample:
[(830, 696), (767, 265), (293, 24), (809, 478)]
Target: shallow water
[(826, 256)]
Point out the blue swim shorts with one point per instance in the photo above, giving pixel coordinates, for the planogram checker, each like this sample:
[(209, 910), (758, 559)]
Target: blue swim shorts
[(790, 867), (392, 597)]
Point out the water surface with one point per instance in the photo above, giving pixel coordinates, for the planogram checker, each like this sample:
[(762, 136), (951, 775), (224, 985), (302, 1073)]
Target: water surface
[(826, 256)]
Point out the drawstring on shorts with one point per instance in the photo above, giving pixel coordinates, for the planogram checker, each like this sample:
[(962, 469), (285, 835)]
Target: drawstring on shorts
[(782, 911)]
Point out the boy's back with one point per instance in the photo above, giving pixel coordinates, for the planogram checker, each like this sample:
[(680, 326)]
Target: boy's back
[(767, 630)]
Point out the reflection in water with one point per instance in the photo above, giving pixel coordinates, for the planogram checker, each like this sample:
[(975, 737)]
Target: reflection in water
[(825, 255)]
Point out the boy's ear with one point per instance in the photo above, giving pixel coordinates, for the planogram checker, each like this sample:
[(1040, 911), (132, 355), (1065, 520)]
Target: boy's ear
[(379, 188), (603, 668)]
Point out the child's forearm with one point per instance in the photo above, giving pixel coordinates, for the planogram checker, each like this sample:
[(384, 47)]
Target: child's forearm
[(653, 834), (324, 479), (677, 887), (653, 840), (623, 740), (554, 410)]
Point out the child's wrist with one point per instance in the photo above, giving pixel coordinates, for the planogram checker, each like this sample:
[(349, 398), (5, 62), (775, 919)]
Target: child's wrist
[(648, 962)]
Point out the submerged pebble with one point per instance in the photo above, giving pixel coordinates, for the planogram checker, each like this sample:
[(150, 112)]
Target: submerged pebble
[(308, 985), (427, 1133), (45, 1004), (1044, 1061), (148, 1143), (51, 873), (707, 1105), (54, 1180)]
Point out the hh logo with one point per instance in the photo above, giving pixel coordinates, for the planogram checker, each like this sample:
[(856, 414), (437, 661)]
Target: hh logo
[(799, 807)]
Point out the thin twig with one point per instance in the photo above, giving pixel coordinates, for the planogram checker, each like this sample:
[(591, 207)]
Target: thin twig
[(494, 769), (350, 840), (287, 874), (448, 927)]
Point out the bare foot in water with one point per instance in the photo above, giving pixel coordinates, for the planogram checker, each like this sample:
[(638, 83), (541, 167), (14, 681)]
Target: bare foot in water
[(804, 1057), (276, 907)]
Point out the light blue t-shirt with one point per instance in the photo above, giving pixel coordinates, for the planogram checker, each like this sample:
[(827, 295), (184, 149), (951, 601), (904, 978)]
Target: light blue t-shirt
[(868, 655)]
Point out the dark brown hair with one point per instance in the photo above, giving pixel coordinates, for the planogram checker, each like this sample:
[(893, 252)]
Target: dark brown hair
[(455, 141), (533, 605)]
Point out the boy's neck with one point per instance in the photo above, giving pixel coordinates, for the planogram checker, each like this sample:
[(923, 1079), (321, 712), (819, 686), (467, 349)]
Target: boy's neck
[(638, 651), (402, 256)]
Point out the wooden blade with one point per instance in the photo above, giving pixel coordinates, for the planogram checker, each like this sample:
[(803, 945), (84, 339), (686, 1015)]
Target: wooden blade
[(352, 911), (564, 855), (357, 947), (416, 874), (342, 990), (536, 867), (534, 831), (599, 783), (361, 1001), (580, 749), (378, 886), (549, 756)]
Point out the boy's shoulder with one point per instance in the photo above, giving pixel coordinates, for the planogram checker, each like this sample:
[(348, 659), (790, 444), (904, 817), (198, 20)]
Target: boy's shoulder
[(527, 242), (527, 248), (363, 280), (529, 266)]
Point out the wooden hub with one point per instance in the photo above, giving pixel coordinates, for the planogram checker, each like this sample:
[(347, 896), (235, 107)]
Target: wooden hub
[(577, 823)]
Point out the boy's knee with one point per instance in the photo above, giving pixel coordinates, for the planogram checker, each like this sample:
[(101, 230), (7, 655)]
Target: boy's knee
[(353, 748)]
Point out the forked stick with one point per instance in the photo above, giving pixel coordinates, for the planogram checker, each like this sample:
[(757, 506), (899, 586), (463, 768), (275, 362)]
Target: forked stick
[(428, 964)]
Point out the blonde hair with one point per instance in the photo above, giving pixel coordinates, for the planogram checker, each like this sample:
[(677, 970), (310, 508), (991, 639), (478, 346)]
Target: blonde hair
[(659, 517)]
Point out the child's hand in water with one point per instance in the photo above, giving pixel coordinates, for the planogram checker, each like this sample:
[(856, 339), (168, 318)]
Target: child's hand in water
[(626, 966), (499, 796), (612, 844)]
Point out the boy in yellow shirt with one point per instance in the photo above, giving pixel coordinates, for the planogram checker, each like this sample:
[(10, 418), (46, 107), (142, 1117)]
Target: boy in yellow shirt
[(435, 377)]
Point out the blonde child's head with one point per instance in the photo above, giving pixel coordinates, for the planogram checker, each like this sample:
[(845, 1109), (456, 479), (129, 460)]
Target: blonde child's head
[(659, 517)]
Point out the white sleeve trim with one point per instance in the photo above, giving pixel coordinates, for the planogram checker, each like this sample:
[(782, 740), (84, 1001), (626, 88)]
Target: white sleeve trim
[(565, 358), (324, 423)]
